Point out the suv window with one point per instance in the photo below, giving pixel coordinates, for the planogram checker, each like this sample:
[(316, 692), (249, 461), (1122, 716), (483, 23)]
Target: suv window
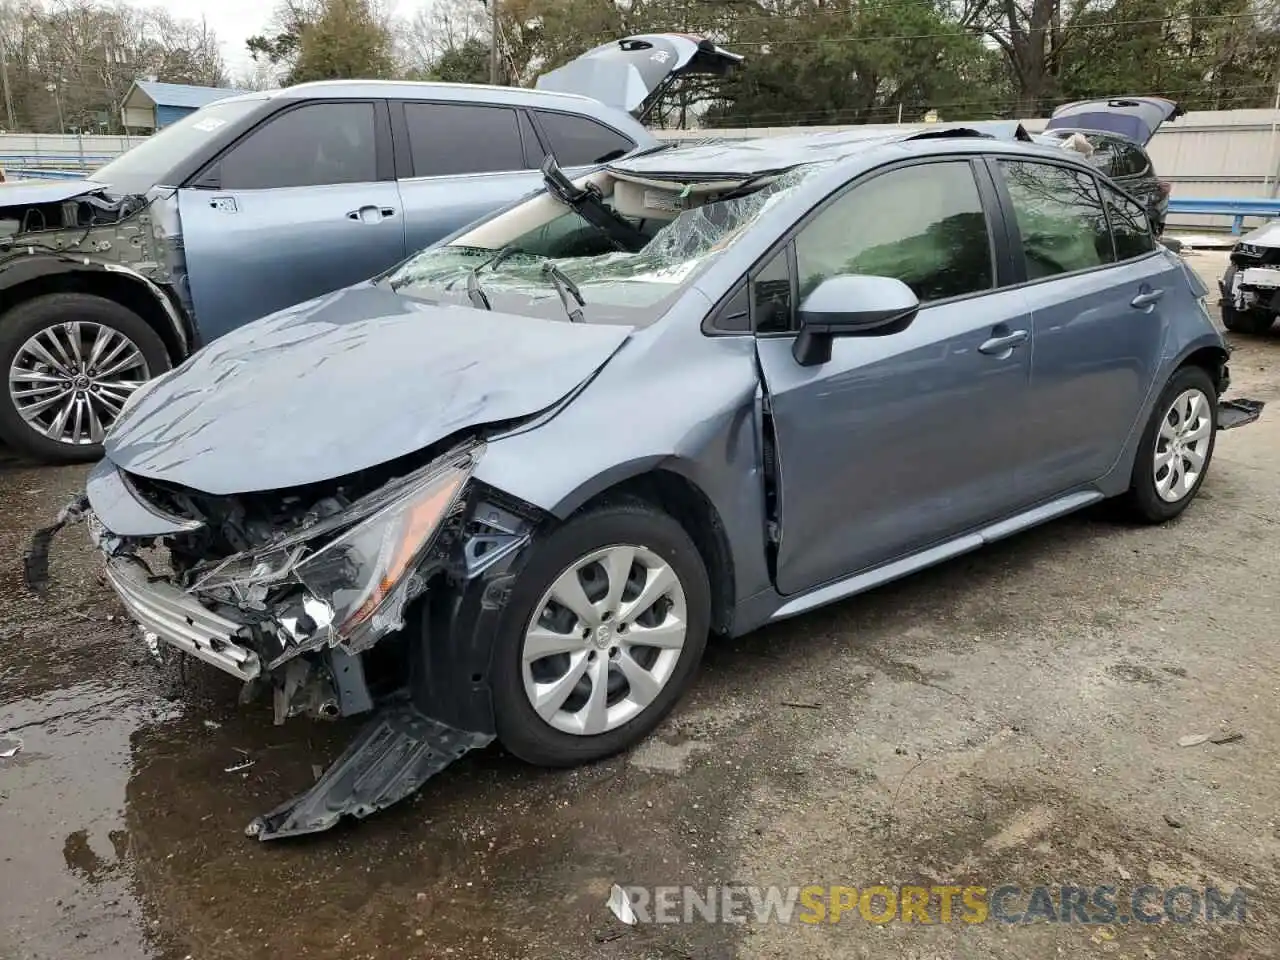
[(309, 146), (1133, 161), (1104, 156), (580, 142), (454, 138), (1130, 225), (923, 225), (1060, 218)]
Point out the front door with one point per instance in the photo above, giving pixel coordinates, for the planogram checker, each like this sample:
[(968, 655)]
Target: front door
[(1099, 290), (903, 440), (305, 204)]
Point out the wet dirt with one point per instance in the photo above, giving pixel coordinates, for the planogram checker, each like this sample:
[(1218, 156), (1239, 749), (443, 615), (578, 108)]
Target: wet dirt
[(1011, 717)]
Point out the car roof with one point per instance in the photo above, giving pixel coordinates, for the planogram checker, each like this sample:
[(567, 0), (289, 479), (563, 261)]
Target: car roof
[(426, 90), (717, 158)]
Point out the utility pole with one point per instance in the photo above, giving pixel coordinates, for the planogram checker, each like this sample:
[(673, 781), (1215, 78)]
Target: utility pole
[(493, 43), (4, 81)]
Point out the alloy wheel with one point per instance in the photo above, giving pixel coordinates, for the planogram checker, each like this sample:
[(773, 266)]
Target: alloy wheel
[(1182, 445), (604, 640), (70, 381)]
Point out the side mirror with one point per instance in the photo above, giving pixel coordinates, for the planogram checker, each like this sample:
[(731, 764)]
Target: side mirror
[(851, 306)]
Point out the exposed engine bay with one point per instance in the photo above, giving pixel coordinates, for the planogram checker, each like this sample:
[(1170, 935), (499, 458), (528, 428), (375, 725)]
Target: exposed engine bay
[(309, 596), (130, 231)]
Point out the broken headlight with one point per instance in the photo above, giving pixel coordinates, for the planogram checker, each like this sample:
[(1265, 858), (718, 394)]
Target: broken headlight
[(366, 573)]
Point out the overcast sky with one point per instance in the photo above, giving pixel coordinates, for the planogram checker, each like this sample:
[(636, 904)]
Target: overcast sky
[(236, 20)]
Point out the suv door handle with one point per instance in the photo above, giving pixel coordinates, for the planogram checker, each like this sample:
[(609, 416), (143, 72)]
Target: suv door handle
[(1001, 346), (1146, 298)]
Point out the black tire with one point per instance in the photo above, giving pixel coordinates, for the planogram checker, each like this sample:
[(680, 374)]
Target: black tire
[(1252, 322), (24, 321), (519, 727), (1143, 501)]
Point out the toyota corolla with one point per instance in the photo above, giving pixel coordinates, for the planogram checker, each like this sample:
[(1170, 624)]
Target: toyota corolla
[(508, 489)]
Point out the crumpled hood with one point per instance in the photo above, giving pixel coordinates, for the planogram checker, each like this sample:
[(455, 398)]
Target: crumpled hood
[(27, 193), (346, 382)]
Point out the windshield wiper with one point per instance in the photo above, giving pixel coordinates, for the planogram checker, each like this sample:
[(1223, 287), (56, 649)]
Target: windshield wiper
[(566, 288), (475, 293)]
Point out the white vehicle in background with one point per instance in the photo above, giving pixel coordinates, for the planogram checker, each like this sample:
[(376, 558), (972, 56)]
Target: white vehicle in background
[(1251, 285)]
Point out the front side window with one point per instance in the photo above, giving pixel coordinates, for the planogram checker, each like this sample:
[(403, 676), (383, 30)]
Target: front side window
[(923, 225), (312, 145), (1060, 219), (1130, 225), (448, 139)]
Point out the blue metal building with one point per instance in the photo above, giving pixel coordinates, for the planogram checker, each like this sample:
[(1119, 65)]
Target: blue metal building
[(151, 105)]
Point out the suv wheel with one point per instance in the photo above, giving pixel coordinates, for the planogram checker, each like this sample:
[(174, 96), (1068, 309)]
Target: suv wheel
[(71, 360)]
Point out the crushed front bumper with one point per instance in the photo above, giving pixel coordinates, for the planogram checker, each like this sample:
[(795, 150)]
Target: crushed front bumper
[(164, 612)]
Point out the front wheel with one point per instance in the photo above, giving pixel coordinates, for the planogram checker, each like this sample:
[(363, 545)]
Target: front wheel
[(602, 635), (71, 360), (1176, 447)]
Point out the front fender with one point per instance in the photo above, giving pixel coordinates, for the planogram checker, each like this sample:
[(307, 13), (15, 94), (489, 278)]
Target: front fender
[(30, 265)]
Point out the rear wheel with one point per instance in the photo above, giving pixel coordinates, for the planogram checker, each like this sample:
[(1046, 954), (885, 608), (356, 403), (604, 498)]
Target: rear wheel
[(602, 635), (71, 360), (1176, 447)]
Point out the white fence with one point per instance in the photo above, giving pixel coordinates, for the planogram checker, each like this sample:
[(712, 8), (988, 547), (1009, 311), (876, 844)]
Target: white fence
[(1212, 154)]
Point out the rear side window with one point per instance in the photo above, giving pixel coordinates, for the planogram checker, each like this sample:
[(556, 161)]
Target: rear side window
[(923, 225), (446, 139), (1061, 223), (580, 142), (1130, 225), (310, 146)]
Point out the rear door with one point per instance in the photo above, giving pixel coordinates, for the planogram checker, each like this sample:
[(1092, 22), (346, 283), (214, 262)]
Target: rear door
[(460, 161), (903, 440), (303, 204), (1097, 300)]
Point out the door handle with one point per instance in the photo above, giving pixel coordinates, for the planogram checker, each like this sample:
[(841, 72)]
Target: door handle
[(1000, 346), (371, 214), (1146, 298)]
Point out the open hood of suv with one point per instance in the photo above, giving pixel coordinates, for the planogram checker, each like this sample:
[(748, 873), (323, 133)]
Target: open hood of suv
[(632, 73), (1137, 118)]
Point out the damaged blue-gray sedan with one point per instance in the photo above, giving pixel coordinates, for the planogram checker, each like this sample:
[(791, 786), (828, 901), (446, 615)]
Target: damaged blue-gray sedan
[(508, 489)]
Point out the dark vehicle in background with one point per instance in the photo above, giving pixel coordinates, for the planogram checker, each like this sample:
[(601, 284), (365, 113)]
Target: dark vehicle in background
[(261, 201), (1119, 131), (1251, 286)]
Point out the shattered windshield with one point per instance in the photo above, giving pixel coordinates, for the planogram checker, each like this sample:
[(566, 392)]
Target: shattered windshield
[(583, 253)]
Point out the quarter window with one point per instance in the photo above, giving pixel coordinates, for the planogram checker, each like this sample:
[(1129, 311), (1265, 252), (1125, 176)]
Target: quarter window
[(1130, 225), (771, 295), (313, 145), (446, 139), (923, 225), (1060, 218), (579, 142)]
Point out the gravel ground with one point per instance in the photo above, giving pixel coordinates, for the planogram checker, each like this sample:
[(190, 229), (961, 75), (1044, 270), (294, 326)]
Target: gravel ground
[(1009, 718)]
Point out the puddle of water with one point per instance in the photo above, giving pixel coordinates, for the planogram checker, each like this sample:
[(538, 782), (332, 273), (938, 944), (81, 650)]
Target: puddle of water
[(62, 834)]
